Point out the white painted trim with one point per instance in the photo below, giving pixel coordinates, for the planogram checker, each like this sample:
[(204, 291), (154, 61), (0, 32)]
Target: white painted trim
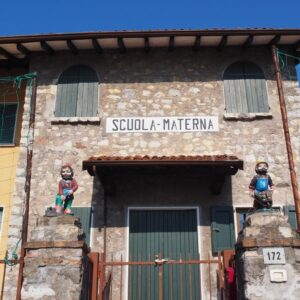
[(198, 216)]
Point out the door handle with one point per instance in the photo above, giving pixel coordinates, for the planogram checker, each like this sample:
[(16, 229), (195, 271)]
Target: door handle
[(160, 261), (216, 229)]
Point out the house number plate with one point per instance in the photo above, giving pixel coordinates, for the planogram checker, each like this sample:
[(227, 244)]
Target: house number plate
[(274, 256)]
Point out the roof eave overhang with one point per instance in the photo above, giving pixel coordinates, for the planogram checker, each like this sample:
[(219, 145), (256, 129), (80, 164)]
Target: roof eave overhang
[(23, 46), (149, 33), (229, 167)]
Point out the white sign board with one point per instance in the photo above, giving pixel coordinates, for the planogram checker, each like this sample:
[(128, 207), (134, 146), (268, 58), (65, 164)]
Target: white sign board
[(274, 256), (163, 124)]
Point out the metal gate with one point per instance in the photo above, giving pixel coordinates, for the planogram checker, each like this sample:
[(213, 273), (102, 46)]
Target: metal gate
[(119, 280)]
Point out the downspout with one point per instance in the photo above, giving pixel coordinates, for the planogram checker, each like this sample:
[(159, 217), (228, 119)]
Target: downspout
[(104, 224), (93, 172), (287, 136), (27, 186)]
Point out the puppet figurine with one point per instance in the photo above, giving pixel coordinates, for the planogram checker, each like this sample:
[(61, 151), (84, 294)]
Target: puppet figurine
[(66, 188), (261, 187)]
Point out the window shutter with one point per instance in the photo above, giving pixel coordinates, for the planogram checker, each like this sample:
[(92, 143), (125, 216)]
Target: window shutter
[(84, 213), (77, 93), (8, 116), (222, 228), (87, 92), (290, 211), (245, 88)]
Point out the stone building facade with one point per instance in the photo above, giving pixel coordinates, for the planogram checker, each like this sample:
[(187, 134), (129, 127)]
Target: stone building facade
[(160, 83)]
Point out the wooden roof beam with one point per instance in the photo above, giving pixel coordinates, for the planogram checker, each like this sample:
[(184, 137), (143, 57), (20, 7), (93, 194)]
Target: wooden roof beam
[(275, 40), (23, 49), (171, 47), (121, 45), (45, 46), (7, 54), (97, 46), (248, 42), (72, 47), (197, 43), (146, 44), (222, 43)]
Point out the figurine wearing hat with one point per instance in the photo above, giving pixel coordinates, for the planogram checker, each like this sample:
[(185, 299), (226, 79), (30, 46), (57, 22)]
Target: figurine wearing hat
[(261, 186), (66, 188)]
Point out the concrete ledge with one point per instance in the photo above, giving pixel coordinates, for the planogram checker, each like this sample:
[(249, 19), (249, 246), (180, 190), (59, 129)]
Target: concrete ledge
[(246, 117), (59, 220), (53, 261), (55, 244), (255, 243), (75, 120)]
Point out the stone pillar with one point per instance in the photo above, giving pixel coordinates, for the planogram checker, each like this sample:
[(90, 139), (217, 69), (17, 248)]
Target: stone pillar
[(268, 258), (55, 260)]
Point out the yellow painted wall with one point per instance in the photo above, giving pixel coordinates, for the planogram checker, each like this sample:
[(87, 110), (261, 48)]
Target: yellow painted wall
[(8, 160), (9, 156)]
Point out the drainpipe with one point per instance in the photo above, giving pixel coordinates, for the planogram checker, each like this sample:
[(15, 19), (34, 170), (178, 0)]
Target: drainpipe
[(287, 136), (104, 223), (103, 255), (27, 187)]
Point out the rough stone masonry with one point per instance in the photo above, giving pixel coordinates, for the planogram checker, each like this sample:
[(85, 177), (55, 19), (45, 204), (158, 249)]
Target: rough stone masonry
[(54, 264), (268, 259)]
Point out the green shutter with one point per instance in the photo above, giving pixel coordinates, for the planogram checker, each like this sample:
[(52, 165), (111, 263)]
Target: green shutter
[(290, 211), (222, 228), (84, 213), (77, 93), (87, 92), (8, 117), (245, 88)]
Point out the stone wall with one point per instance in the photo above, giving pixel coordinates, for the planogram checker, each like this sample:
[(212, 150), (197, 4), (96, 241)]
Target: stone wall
[(155, 84), (265, 231), (159, 83), (54, 264)]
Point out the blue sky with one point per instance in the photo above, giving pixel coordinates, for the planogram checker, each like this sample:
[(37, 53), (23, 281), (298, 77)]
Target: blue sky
[(60, 16)]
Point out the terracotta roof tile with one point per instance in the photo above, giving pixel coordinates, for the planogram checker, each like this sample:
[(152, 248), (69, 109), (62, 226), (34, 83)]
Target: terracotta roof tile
[(165, 158)]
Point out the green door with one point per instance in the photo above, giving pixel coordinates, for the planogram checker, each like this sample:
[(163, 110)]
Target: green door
[(170, 235)]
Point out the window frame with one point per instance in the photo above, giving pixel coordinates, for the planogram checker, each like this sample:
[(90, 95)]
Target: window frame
[(13, 143)]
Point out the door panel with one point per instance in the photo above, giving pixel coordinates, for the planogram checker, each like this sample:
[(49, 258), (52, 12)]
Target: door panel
[(168, 234)]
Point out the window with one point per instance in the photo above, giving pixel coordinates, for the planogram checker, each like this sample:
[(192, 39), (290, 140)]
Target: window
[(241, 215), (1, 216), (77, 93), (8, 117), (298, 73), (290, 211), (245, 89)]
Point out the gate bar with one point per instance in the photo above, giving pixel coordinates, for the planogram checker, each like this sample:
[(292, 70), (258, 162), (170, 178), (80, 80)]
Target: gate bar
[(94, 258)]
